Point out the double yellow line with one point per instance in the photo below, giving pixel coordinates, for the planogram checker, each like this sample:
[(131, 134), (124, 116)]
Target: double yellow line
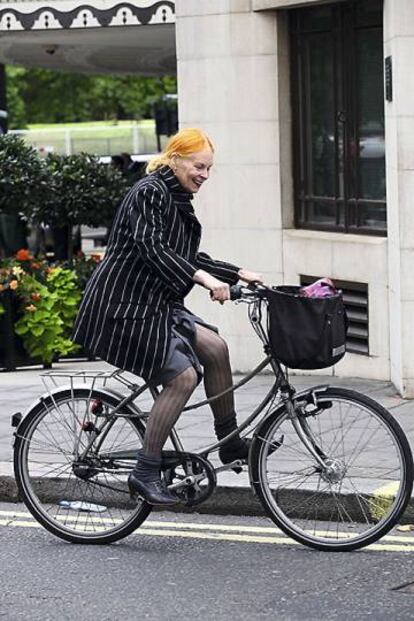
[(211, 531)]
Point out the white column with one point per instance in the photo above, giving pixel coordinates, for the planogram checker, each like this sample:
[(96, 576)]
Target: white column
[(228, 85), (68, 142), (135, 139), (399, 114)]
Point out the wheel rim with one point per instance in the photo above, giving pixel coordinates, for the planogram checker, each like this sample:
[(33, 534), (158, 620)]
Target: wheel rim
[(80, 498), (353, 500)]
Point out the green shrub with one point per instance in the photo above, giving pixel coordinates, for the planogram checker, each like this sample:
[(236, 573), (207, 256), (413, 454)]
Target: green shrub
[(24, 180), (83, 191), (48, 300)]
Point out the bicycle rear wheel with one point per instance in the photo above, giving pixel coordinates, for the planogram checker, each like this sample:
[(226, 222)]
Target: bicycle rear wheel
[(79, 495), (360, 495)]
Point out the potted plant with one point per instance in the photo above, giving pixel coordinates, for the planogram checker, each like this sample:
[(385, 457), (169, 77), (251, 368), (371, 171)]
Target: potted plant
[(38, 304), (82, 191), (23, 185)]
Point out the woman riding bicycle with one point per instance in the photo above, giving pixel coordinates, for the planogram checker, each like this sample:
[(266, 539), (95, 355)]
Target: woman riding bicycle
[(133, 315)]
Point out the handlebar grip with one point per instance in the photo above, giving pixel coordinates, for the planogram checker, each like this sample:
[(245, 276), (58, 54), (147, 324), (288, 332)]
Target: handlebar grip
[(235, 292)]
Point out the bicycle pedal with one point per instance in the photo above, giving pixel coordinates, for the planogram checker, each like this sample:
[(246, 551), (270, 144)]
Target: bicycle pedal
[(238, 465), (135, 497)]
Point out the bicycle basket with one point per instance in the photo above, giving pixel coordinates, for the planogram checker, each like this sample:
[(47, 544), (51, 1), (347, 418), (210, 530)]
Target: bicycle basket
[(306, 333)]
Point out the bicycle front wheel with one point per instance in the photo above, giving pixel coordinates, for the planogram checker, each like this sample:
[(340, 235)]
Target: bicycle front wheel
[(362, 490), (72, 479)]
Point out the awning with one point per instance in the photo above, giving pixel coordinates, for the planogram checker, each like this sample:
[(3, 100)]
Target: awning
[(98, 36)]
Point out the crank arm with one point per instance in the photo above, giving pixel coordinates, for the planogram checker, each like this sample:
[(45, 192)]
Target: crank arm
[(186, 482), (237, 463), (189, 480)]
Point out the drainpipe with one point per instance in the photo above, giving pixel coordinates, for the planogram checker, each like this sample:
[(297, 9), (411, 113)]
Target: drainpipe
[(3, 101)]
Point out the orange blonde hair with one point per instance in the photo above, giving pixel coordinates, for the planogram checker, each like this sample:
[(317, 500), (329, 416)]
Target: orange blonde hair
[(185, 142)]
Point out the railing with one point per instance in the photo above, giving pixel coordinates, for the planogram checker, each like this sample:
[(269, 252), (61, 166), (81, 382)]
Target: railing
[(102, 140)]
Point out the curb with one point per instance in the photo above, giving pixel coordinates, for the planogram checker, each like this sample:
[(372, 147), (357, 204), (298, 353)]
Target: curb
[(8, 489), (226, 500)]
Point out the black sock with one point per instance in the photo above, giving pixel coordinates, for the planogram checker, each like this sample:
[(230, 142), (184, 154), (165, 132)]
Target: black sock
[(224, 427), (147, 469)]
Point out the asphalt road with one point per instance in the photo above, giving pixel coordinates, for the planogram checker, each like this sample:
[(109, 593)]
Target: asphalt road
[(198, 567)]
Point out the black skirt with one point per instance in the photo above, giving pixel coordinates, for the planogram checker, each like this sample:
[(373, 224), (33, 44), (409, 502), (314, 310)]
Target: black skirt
[(181, 353)]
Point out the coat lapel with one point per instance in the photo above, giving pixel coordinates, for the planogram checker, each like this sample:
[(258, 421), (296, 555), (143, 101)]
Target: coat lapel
[(180, 198), (186, 210)]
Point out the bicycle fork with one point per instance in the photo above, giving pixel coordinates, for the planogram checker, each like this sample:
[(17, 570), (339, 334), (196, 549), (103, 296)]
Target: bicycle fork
[(305, 434), (332, 470)]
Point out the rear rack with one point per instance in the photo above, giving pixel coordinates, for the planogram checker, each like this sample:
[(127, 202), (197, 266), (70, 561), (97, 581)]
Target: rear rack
[(79, 373), (97, 377)]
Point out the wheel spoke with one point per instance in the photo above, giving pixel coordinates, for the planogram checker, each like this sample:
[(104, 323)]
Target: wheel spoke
[(361, 490), (86, 497)]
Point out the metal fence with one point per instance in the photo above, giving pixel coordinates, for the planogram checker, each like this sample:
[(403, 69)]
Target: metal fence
[(103, 140)]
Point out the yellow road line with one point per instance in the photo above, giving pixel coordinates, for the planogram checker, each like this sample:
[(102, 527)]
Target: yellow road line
[(382, 499), (251, 539), (146, 530), (22, 523), (198, 526)]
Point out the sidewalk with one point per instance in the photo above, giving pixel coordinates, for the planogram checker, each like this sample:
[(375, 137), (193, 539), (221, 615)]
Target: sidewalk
[(21, 388)]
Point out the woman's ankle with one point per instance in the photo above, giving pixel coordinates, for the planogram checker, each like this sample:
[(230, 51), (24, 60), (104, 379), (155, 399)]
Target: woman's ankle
[(147, 467), (226, 426)]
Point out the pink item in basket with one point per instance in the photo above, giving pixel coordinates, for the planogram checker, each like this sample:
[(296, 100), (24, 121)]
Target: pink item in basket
[(321, 288)]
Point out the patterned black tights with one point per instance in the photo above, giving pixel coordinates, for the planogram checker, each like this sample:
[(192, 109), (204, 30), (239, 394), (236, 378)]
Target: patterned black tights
[(166, 410), (213, 354)]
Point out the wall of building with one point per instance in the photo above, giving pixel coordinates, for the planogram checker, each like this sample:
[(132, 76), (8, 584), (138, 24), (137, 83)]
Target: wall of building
[(233, 75), (399, 44), (228, 84)]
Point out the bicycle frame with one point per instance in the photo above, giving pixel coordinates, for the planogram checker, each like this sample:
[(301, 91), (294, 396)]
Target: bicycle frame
[(280, 385), (78, 443)]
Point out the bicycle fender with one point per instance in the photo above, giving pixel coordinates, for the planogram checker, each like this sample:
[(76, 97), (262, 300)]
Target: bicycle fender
[(315, 390)]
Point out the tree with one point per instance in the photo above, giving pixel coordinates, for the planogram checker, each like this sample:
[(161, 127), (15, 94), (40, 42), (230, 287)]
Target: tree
[(24, 184), (16, 104), (23, 179), (82, 191), (44, 96)]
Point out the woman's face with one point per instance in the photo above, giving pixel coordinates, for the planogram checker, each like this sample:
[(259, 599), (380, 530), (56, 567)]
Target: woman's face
[(193, 170)]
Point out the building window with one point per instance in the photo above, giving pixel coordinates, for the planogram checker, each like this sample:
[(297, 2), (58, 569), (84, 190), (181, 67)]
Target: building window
[(338, 104)]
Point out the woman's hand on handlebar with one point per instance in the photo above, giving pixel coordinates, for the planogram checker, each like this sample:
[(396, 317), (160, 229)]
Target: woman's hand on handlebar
[(250, 277), (219, 291)]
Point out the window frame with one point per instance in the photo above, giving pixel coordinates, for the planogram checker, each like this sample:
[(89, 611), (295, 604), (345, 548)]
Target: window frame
[(347, 204)]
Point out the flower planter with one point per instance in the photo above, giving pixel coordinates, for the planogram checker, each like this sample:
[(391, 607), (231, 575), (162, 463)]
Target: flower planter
[(78, 355), (12, 352), (38, 305), (12, 234)]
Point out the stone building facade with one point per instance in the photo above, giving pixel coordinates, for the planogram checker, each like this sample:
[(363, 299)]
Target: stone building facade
[(311, 107)]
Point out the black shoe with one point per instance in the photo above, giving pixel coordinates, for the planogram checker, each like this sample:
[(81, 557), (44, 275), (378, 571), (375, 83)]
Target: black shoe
[(153, 492), (228, 454)]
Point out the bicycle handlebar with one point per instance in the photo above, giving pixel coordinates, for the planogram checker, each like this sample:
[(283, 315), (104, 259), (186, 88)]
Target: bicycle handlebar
[(246, 291), (235, 292)]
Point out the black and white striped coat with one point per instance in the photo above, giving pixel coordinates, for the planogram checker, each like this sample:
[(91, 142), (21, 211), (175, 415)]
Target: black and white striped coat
[(126, 313)]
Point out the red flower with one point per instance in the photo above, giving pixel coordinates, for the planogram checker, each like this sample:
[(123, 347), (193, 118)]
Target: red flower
[(23, 255), (36, 297)]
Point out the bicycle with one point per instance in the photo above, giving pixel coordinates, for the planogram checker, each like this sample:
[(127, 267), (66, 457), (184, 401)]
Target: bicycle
[(331, 467)]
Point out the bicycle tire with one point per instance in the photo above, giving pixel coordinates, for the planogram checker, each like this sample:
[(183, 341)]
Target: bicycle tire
[(94, 508), (372, 458)]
